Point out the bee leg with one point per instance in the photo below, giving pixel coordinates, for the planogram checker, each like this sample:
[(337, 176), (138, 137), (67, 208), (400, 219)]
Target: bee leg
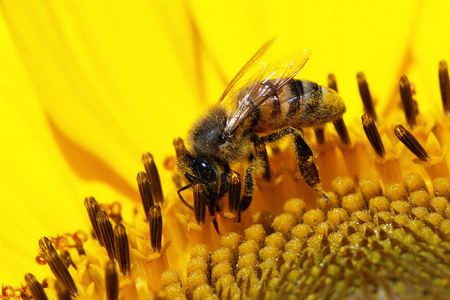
[(261, 154), (305, 156), (182, 200), (248, 188), (308, 168)]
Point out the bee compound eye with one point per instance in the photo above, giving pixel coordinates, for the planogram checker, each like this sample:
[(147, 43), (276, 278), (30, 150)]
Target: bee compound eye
[(205, 169)]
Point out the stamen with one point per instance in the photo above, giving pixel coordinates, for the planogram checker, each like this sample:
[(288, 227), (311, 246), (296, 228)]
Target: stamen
[(155, 222), (365, 96), (79, 237), (106, 233), (407, 101), (61, 291), (65, 257), (122, 248), (35, 287), (180, 148), (444, 83), (57, 266), (320, 135), (373, 135), (341, 129), (410, 142), (153, 177), (111, 281), (332, 84), (234, 194), (92, 208), (199, 203), (145, 191)]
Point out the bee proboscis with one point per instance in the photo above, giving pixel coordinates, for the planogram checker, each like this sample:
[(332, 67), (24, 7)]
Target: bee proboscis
[(262, 104)]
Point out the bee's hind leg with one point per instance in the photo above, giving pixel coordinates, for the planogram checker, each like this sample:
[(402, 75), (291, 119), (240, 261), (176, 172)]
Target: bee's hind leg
[(261, 154), (304, 154), (308, 168)]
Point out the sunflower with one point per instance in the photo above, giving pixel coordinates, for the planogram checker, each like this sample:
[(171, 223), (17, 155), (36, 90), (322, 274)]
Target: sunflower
[(89, 87)]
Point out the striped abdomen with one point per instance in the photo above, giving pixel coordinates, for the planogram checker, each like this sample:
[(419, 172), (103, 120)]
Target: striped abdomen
[(299, 103)]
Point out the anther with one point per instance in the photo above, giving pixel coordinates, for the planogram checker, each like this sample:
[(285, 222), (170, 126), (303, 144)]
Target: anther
[(57, 266), (155, 222), (35, 287), (407, 101), (180, 148), (122, 248), (320, 135), (153, 177), (65, 257), (106, 233), (365, 96), (373, 135), (145, 191), (341, 129), (444, 83), (199, 202), (332, 84), (410, 142), (61, 291), (339, 124), (234, 193), (92, 208), (111, 281)]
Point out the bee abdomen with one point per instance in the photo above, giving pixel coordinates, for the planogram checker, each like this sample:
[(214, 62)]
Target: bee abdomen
[(299, 103)]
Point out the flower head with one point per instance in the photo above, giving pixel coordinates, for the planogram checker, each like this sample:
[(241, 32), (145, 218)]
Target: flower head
[(96, 92)]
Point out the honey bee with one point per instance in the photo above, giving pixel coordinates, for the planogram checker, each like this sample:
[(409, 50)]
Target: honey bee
[(262, 104)]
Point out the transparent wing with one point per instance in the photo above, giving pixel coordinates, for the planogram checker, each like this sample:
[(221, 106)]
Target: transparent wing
[(260, 78)]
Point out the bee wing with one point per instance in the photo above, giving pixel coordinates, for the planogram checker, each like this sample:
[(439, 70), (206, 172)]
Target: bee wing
[(256, 81)]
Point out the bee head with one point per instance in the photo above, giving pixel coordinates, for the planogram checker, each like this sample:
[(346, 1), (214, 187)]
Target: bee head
[(205, 135), (194, 168)]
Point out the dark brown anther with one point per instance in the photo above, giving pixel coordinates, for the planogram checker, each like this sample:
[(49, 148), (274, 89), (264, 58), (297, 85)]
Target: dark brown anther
[(373, 135), (61, 291), (111, 281), (155, 222), (341, 129), (332, 84), (410, 142), (106, 233), (365, 96), (35, 287), (79, 237), (199, 202), (180, 148), (92, 208), (65, 257), (57, 266), (79, 247), (320, 135), (444, 83), (407, 101), (234, 193), (153, 178), (122, 248), (145, 191)]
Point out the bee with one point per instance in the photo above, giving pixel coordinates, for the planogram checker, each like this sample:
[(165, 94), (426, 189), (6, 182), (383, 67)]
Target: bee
[(262, 104)]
